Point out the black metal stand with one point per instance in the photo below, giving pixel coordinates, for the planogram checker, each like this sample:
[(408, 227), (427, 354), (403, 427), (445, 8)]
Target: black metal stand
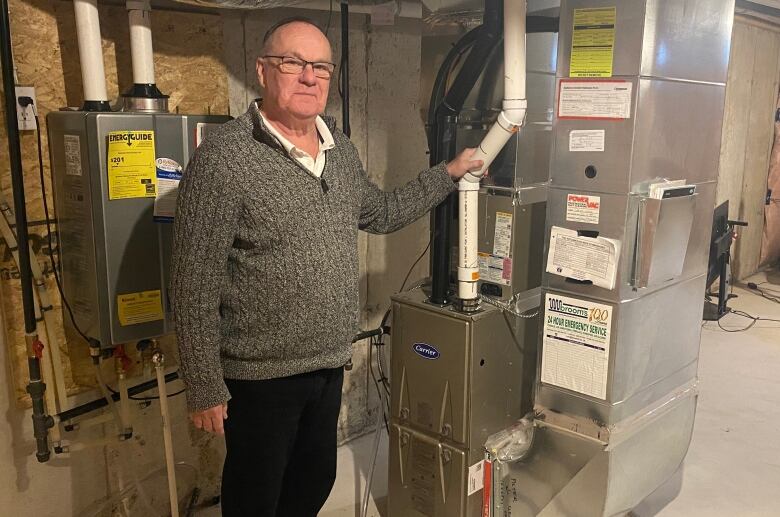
[(722, 246)]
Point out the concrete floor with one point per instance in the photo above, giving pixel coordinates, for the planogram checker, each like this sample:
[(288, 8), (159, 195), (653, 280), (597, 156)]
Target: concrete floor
[(733, 465)]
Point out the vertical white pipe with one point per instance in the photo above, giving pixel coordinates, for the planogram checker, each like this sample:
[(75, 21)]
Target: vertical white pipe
[(510, 120), (93, 74), (139, 14), (514, 51), (468, 264), (124, 401)]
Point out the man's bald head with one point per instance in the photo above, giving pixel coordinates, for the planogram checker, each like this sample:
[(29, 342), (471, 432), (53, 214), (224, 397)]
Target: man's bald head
[(295, 90), (277, 30)]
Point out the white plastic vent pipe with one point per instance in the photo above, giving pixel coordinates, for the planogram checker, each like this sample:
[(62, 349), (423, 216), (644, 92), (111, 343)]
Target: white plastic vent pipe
[(140, 15), (93, 74), (509, 122)]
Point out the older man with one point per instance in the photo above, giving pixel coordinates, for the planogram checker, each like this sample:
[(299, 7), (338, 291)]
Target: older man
[(265, 276)]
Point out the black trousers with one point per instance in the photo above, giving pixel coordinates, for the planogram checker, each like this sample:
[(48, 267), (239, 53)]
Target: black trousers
[(281, 445)]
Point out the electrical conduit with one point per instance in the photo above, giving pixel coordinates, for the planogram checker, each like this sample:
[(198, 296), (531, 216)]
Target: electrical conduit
[(509, 122)]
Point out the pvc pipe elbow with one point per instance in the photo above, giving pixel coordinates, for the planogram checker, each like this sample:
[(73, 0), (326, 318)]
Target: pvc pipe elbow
[(512, 116), (470, 181)]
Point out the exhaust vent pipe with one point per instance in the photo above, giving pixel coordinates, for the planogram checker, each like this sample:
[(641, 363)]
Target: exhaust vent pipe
[(143, 96), (93, 74)]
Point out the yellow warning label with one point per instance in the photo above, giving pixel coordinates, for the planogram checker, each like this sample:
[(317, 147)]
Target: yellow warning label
[(131, 172), (593, 42), (134, 308)]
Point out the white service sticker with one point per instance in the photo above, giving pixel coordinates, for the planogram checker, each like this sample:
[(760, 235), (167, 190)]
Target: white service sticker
[(497, 270), (583, 258), (476, 477), (594, 100), (502, 239), (582, 208), (575, 345), (169, 174), (586, 140), (72, 155)]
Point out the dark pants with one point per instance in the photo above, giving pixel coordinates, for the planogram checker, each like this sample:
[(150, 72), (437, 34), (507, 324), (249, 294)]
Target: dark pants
[(281, 445)]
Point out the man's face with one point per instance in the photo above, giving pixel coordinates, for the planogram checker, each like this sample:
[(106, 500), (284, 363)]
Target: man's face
[(302, 96)]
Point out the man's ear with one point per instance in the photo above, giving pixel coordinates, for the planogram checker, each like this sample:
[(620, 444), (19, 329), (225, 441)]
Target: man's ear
[(260, 67)]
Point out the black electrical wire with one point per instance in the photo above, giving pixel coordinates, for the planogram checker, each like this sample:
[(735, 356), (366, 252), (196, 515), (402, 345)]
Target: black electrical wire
[(330, 16), (766, 293), (144, 399), (754, 320), (382, 377), (453, 58), (406, 279), (101, 402), (376, 385), (770, 289), (48, 230)]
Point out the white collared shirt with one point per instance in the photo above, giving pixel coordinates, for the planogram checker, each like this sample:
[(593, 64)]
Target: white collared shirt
[(315, 166)]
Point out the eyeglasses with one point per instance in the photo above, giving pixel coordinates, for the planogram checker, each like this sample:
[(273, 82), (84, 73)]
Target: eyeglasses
[(293, 65)]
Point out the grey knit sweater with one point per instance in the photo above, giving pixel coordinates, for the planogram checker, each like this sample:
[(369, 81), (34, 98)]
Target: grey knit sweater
[(265, 261)]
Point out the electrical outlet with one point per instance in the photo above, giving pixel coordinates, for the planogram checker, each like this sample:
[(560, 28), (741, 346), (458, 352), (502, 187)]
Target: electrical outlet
[(25, 115)]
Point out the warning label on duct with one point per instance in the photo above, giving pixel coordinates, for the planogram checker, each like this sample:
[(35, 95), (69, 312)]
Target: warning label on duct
[(586, 140), (593, 42), (502, 239), (131, 169), (143, 307), (72, 155), (493, 268), (575, 344), (476, 477), (581, 208), (592, 259), (594, 100)]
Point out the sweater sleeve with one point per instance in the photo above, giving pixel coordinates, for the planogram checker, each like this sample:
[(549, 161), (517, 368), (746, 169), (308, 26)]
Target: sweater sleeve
[(206, 219), (386, 212)]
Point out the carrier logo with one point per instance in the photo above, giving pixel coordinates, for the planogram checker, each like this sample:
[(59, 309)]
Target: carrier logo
[(425, 351)]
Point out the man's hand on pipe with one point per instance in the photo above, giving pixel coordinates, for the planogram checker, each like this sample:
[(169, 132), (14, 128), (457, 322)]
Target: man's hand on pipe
[(211, 420), (463, 163)]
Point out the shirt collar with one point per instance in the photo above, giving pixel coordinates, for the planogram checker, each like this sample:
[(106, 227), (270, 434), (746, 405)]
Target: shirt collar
[(326, 137)]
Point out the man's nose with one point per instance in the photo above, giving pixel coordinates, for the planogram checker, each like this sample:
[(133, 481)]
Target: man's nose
[(307, 75)]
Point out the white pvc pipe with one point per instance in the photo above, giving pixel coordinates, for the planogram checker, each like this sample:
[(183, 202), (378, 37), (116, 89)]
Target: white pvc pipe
[(93, 75), (514, 55), (139, 14), (162, 392), (468, 262), (509, 122), (124, 402)]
